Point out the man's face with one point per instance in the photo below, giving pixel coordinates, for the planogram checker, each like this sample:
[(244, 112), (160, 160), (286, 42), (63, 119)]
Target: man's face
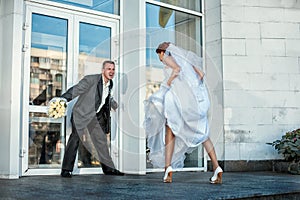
[(108, 71)]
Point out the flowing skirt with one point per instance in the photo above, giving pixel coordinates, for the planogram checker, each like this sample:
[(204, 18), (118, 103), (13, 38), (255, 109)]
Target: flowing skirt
[(183, 107)]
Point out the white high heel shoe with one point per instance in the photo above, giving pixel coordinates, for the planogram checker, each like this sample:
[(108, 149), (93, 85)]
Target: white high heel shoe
[(168, 175), (217, 177)]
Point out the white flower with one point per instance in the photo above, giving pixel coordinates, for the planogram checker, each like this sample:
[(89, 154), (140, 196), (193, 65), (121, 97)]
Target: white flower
[(57, 107)]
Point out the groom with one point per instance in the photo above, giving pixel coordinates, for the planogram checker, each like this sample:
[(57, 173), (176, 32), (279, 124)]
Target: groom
[(90, 119)]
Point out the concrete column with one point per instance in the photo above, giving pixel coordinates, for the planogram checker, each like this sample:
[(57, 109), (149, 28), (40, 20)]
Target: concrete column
[(214, 73), (133, 61), (11, 18)]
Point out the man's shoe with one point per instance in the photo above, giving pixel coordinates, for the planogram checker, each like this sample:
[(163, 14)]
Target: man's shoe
[(66, 174), (110, 171), (114, 172)]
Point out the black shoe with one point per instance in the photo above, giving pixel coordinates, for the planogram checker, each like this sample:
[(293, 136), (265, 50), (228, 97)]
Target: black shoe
[(114, 172), (66, 174), (110, 171)]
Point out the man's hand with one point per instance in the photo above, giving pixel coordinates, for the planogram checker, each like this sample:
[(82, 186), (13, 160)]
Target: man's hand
[(114, 104)]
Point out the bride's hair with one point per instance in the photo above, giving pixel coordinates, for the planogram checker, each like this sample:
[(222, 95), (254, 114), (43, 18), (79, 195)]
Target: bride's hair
[(162, 47)]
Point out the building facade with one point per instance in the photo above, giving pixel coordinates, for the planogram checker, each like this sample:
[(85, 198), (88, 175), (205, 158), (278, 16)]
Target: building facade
[(251, 60), (255, 43)]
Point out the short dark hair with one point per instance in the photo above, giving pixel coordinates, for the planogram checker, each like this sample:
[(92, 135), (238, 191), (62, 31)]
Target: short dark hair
[(107, 62), (162, 47)]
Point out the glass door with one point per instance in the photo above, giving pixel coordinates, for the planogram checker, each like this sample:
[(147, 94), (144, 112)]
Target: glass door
[(60, 48), (184, 29), (94, 44)]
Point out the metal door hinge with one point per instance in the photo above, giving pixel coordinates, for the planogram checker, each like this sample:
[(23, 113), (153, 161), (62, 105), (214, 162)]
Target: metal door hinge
[(22, 153), (25, 26), (25, 47)]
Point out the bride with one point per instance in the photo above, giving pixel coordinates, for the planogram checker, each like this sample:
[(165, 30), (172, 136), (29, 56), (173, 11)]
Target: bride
[(176, 115)]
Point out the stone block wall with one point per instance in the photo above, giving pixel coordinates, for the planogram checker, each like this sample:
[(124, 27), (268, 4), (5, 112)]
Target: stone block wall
[(260, 42)]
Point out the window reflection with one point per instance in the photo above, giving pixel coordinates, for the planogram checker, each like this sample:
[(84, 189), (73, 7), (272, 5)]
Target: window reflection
[(94, 48), (47, 79), (182, 29), (188, 4), (108, 6), (45, 142), (85, 158), (48, 58)]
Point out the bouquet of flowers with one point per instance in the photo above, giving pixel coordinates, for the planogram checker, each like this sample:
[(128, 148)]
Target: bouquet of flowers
[(57, 107)]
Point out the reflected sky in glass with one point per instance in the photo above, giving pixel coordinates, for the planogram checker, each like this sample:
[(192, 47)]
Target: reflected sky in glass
[(157, 34), (49, 32), (94, 40), (99, 5)]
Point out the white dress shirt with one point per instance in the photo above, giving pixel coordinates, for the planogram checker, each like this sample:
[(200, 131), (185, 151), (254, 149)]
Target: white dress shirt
[(105, 91)]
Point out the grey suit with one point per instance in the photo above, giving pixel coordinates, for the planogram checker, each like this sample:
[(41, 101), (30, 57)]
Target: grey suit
[(86, 123)]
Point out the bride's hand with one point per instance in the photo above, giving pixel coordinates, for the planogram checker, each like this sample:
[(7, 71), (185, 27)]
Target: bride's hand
[(170, 62), (174, 74)]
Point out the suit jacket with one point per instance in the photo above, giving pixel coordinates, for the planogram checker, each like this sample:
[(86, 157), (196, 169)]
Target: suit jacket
[(89, 94)]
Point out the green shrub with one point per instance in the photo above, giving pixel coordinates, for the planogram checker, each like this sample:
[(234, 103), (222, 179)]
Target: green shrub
[(289, 145)]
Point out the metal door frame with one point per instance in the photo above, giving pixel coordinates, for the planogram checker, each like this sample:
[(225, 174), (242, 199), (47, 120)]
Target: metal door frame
[(73, 17)]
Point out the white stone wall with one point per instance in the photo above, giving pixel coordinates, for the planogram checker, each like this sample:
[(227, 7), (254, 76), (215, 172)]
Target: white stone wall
[(261, 71)]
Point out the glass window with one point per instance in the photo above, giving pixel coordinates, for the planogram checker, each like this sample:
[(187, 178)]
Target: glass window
[(94, 48), (47, 79), (45, 142), (108, 6), (183, 29), (164, 24), (188, 4), (48, 58)]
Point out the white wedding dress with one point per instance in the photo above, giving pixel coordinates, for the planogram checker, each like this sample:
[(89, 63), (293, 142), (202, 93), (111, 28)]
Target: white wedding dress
[(183, 107)]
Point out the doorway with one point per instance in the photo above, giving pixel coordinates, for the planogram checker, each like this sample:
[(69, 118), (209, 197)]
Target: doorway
[(61, 46)]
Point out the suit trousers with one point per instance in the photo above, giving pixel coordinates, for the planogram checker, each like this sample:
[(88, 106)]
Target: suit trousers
[(98, 138)]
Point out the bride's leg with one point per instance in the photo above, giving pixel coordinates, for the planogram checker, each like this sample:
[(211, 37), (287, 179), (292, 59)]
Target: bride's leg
[(209, 147), (169, 148)]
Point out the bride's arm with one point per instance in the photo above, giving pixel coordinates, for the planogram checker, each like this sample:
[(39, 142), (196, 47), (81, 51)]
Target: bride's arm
[(199, 72), (170, 62)]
